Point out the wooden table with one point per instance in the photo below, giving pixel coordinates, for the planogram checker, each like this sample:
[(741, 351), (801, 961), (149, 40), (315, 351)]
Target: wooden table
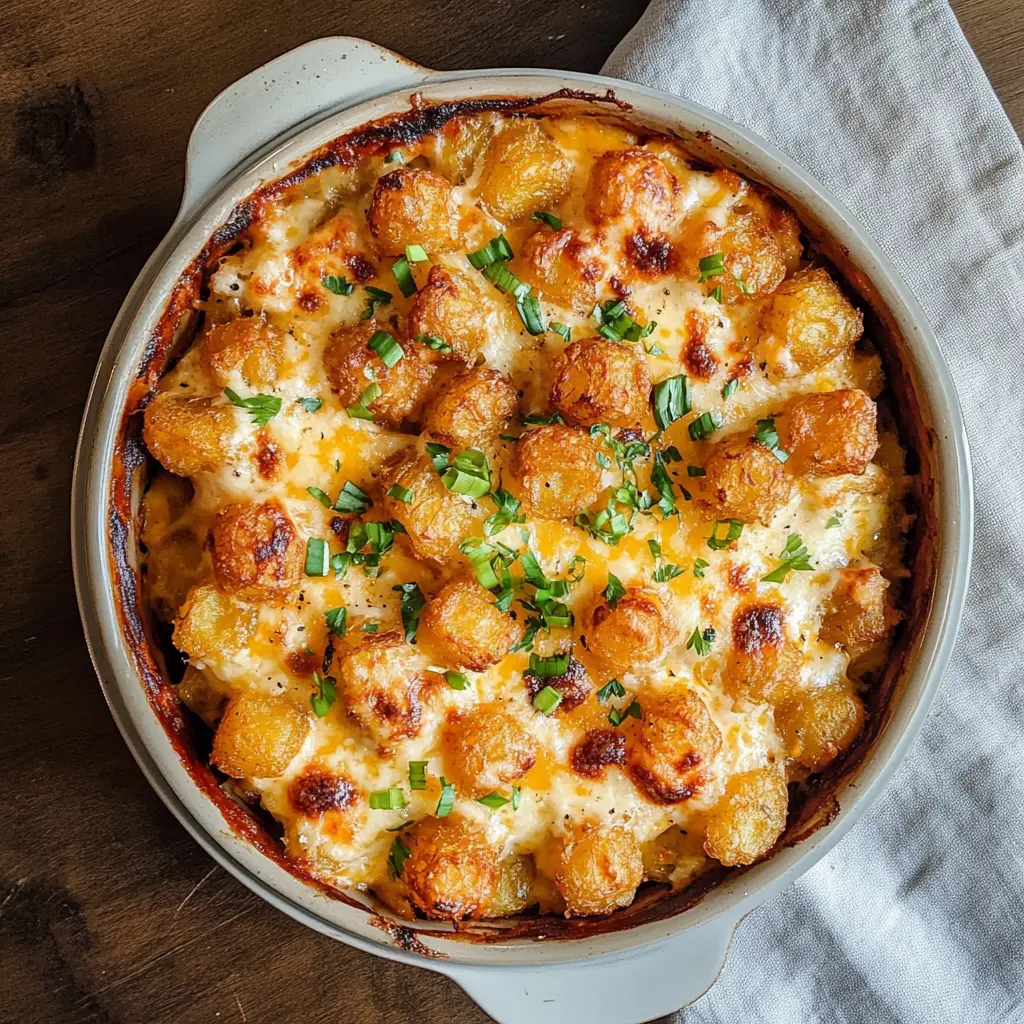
[(109, 912)]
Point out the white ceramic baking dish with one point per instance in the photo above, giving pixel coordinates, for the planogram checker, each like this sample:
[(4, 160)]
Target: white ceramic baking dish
[(254, 132)]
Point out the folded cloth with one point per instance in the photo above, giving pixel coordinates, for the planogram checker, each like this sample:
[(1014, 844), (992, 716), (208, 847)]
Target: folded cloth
[(918, 915)]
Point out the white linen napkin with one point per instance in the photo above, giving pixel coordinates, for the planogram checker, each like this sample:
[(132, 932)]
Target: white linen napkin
[(918, 914)]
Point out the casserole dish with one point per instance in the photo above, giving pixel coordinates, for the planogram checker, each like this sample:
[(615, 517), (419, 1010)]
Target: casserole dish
[(302, 101)]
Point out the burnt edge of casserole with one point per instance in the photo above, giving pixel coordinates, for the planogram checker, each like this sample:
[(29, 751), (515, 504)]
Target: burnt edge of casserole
[(814, 804)]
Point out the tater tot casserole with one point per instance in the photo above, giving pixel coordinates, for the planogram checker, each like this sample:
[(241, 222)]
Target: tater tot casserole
[(529, 515)]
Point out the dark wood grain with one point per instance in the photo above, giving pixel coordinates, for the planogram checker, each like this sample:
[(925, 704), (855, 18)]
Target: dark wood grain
[(108, 911)]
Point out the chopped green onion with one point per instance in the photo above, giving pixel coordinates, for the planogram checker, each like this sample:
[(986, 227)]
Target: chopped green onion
[(730, 386), (384, 344), (711, 266), (663, 482), (336, 284), (438, 455), (480, 555), (547, 700), (561, 329), (549, 667), (716, 543), (403, 275), (468, 474), (415, 253), (447, 801), (696, 471), (376, 297), (528, 307), (671, 400), (655, 547), (413, 603), (352, 499), (318, 557), (392, 799), (705, 425), (540, 419), (493, 800), (701, 642), (716, 293), (336, 619), (502, 278), (495, 250), (360, 410), (834, 520), (417, 774), (617, 716), (614, 590), (456, 680), (613, 688), (311, 404), (434, 343), (322, 496), (666, 572), (553, 222), (516, 796), (396, 156), (397, 857), (766, 433), (325, 695), (262, 408), (699, 565), (400, 493), (794, 558), (370, 627), (508, 512)]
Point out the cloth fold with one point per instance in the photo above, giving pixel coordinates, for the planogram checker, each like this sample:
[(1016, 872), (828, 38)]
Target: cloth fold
[(918, 914)]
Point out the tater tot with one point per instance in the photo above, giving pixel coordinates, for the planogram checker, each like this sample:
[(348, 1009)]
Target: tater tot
[(638, 630), (453, 309), (743, 480), (452, 871), (524, 170), (807, 322), (259, 736), (556, 471), (470, 630), (403, 386), (487, 747), (858, 612), (471, 409), (743, 826), (256, 551), (633, 188), (671, 749), (599, 871), (562, 266), (249, 345), (829, 434), (765, 663), (189, 436), (818, 725), (414, 207), (599, 381)]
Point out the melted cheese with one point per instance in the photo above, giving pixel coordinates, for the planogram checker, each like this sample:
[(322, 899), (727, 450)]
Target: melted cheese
[(327, 448)]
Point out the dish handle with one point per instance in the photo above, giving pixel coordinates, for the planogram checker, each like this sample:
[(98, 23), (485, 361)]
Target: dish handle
[(649, 983), (281, 98)]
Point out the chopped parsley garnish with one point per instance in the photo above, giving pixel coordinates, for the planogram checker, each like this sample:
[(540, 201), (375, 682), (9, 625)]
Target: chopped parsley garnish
[(468, 474), (508, 506), (547, 700), (397, 857), (613, 688), (553, 222), (392, 799), (617, 716), (711, 266), (766, 433), (540, 419), (352, 499), (671, 400), (262, 408), (608, 524), (338, 285), (699, 565), (705, 425), (318, 557), (549, 667), (701, 641), (661, 480), (730, 386), (456, 680), (375, 297), (384, 345), (361, 410), (325, 694), (667, 571), (403, 276), (447, 801), (733, 530), (336, 619), (614, 590), (377, 537), (400, 493), (795, 557), (311, 404), (417, 774), (413, 603)]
